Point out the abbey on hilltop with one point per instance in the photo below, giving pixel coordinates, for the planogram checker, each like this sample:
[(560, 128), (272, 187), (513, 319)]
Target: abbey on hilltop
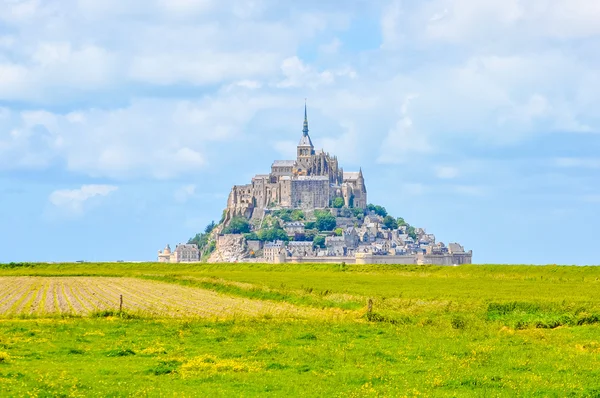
[(310, 210), (311, 181)]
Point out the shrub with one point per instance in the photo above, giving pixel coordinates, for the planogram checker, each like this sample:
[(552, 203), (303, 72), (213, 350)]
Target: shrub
[(319, 241), (338, 203), (390, 222), (458, 323), (120, 352), (4, 357), (237, 225)]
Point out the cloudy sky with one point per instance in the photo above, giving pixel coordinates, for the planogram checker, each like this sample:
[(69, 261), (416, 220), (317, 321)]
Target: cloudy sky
[(123, 124)]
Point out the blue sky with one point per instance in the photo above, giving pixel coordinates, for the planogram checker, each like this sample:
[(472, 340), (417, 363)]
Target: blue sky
[(123, 124)]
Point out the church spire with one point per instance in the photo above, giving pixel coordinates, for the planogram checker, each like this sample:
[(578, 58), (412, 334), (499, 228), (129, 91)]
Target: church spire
[(305, 129)]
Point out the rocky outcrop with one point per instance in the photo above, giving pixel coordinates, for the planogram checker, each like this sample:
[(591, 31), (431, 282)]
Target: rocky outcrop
[(230, 249)]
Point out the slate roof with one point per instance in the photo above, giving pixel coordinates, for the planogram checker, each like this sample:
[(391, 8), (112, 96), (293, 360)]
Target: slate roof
[(305, 141), (191, 246), (300, 243), (272, 245), (284, 163)]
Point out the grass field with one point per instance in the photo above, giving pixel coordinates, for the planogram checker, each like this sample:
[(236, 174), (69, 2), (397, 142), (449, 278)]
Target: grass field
[(298, 330)]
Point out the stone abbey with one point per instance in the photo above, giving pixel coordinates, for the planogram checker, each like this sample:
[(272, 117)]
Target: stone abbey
[(310, 210), (311, 181)]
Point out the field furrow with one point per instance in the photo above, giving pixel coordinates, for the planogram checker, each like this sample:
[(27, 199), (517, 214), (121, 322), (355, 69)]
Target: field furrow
[(41, 304), (33, 304), (16, 294), (8, 289), (133, 298), (76, 301), (84, 295), (20, 303)]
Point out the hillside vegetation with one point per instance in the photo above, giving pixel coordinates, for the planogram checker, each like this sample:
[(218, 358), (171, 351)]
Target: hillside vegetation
[(299, 330)]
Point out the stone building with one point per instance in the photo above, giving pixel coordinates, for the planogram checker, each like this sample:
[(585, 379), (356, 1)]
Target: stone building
[(187, 253), (294, 227), (275, 252), (311, 181)]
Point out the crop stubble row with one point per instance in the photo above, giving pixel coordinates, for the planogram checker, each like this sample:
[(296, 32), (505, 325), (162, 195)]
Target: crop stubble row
[(83, 295)]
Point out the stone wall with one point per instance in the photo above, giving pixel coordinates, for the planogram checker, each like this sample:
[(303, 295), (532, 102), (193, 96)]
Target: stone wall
[(310, 192)]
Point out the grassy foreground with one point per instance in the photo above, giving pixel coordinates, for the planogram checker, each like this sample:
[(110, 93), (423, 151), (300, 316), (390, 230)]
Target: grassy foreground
[(433, 331)]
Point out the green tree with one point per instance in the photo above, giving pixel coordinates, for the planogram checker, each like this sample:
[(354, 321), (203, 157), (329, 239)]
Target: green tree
[(310, 225), (411, 232), (209, 228), (298, 215), (390, 222), (271, 234), (338, 203), (379, 210), (237, 225), (251, 236), (276, 224), (309, 234), (325, 220), (339, 232), (401, 222), (200, 239), (319, 241)]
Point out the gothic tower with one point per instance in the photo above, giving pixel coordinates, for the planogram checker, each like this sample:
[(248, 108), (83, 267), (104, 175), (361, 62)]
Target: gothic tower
[(305, 149)]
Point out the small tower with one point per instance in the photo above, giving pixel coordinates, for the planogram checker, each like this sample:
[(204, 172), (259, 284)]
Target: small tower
[(305, 149)]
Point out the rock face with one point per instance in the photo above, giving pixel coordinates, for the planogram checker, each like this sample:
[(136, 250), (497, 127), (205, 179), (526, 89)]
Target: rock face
[(230, 249)]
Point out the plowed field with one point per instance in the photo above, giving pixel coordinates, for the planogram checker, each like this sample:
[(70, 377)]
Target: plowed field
[(85, 295)]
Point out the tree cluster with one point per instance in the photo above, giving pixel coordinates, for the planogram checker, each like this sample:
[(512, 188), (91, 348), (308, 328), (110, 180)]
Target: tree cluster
[(325, 220), (203, 241), (237, 225), (379, 210), (287, 215)]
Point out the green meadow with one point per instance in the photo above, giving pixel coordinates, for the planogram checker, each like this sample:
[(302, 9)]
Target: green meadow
[(488, 330)]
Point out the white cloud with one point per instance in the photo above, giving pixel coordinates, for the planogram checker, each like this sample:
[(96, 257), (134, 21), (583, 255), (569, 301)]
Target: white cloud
[(73, 201), (331, 48), (201, 68), (403, 139), (391, 24), (478, 21), (184, 193), (446, 172), (149, 138), (186, 7), (584, 163), (346, 145), (286, 149), (298, 74)]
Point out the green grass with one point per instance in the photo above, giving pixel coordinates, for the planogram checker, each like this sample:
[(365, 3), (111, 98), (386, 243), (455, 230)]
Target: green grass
[(433, 331)]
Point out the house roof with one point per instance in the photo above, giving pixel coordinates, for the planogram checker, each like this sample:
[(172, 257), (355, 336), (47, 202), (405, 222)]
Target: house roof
[(190, 246), (300, 243), (293, 224)]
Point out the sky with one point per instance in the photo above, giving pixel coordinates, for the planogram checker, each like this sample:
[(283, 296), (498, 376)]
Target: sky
[(124, 124)]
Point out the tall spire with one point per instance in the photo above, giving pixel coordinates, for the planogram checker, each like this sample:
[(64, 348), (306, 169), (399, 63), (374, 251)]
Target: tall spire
[(305, 129)]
